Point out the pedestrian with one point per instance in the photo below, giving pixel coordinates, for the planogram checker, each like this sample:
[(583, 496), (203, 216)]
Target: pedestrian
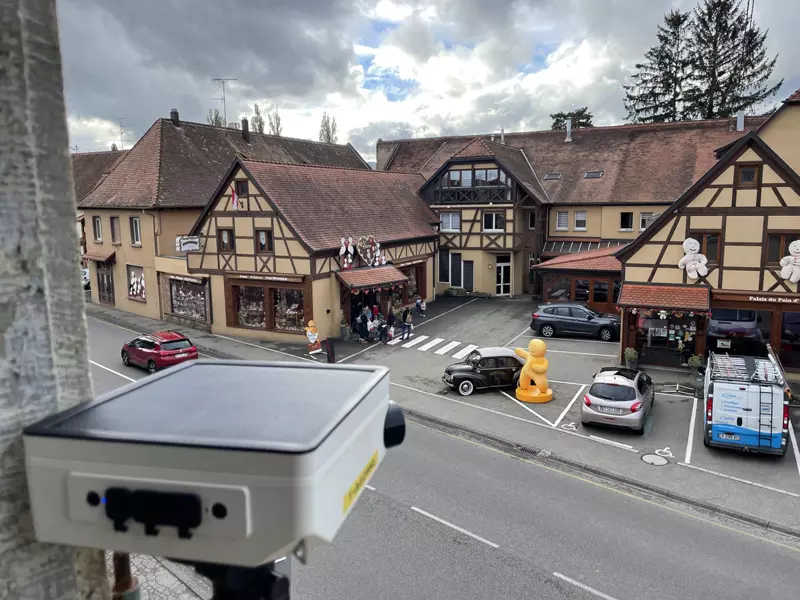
[(422, 307), (363, 325), (390, 325), (404, 315), (375, 311), (418, 304), (407, 326)]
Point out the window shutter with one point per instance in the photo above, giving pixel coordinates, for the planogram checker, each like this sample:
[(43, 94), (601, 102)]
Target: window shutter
[(444, 265)]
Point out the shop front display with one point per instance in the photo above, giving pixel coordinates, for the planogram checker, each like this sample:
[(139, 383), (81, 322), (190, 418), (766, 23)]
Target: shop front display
[(136, 285), (188, 299), (288, 309), (666, 338), (260, 303), (249, 305)]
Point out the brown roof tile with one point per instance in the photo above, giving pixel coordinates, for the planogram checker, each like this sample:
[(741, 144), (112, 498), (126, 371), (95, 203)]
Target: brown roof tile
[(324, 204), (367, 277), (650, 295), (89, 169), (640, 163), (794, 97), (179, 166), (476, 148), (589, 260)]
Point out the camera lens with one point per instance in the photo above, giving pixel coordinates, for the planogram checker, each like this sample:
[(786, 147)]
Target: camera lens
[(219, 511), (93, 499)]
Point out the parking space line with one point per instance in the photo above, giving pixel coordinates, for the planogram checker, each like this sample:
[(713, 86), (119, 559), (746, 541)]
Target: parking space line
[(571, 402), (464, 352), (688, 458), (415, 341), (528, 408), (97, 364), (431, 344), (369, 487), (579, 340), (512, 340), (740, 480), (447, 347), (584, 587), (613, 443), (456, 527), (794, 447)]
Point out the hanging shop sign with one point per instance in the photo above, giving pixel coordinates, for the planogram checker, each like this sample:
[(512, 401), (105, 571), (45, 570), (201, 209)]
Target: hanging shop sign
[(312, 335), (773, 299), (410, 263), (187, 243), (369, 249), (346, 253)]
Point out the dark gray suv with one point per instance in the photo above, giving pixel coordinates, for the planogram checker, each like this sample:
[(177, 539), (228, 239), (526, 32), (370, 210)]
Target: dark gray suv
[(573, 318)]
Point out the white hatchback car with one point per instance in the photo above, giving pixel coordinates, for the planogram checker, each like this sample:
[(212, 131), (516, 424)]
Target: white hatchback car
[(619, 397)]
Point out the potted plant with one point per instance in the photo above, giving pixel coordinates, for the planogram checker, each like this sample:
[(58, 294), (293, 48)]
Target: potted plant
[(631, 358), (126, 586), (695, 362)]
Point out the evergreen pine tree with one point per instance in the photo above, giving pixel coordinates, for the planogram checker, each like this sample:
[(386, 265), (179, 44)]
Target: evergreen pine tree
[(730, 67), (657, 91), (581, 117)]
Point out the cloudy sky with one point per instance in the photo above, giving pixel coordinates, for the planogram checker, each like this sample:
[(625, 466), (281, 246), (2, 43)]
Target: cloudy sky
[(383, 68)]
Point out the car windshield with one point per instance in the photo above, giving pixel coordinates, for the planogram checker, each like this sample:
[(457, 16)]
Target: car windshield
[(176, 345), (612, 392), (473, 358)]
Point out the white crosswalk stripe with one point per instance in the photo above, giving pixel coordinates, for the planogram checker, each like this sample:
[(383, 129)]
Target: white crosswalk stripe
[(434, 342), (464, 352), (397, 339), (447, 347), (415, 341)]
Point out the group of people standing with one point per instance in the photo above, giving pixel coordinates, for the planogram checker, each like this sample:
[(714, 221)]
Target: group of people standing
[(372, 320)]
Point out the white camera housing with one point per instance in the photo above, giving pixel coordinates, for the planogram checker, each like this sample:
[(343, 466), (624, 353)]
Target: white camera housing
[(229, 462)]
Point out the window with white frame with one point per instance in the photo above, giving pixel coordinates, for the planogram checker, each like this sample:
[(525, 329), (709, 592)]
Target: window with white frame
[(562, 220), (97, 228), (580, 220), (494, 221), (136, 232), (646, 219), (450, 221)]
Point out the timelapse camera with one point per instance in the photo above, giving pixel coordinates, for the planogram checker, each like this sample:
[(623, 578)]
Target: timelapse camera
[(224, 462)]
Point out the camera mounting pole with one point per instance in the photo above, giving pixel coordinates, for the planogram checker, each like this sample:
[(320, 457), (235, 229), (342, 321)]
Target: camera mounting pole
[(245, 583)]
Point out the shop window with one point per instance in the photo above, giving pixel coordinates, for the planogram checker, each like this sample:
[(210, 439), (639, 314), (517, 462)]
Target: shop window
[(581, 290), (248, 302), (242, 188), (600, 292), (626, 221), (136, 232), (115, 231), (413, 284), (450, 222), (97, 229), (580, 220), (778, 246), (790, 340), (494, 221), (558, 289), (136, 286), (188, 299), (747, 176), (225, 240), (562, 220), (668, 342), (709, 244), (646, 219), (739, 331), (288, 309), (264, 241)]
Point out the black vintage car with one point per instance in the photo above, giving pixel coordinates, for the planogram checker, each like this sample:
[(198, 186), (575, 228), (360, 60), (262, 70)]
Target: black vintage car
[(484, 368)]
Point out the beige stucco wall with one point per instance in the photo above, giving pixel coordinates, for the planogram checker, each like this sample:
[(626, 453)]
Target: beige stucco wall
[(782, 133), (172, 223), (594, 217), (601, 221), (325, 296)]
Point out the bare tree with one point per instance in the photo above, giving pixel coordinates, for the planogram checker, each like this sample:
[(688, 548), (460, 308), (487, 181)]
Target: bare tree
[(214, 118), (257, 121), (275, 127), (327, 129), (45, 366)]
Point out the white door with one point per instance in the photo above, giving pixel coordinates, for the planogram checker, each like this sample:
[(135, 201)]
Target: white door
[(503, 275)]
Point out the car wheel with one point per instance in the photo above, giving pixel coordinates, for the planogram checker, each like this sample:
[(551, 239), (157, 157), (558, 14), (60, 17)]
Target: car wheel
[(466, 387), (705, 442), (547, 331), (640, 431), (151, 367), (606, 334), (125, 358)]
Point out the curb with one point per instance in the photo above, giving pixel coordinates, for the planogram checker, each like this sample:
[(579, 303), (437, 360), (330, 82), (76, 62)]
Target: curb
[(524, 451)]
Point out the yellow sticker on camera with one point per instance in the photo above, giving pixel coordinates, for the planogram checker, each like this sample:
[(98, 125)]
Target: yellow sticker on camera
[(360, 482)]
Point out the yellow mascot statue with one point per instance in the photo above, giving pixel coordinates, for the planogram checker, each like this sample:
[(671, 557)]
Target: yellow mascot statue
[(534, 370)]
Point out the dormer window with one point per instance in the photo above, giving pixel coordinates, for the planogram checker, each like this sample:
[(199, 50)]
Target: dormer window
[(458, 178), (552, 177), (487, 177), (593, 175)]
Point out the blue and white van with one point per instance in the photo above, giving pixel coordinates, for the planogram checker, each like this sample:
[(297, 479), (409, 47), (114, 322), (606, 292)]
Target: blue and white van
[(747, 403)]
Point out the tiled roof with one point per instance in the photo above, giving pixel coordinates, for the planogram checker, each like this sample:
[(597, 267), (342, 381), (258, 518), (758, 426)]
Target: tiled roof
[(570, 246), (590, 260), (476, 148), (179, 166), (652, 295), (323, 204), (89, 169), (794, 97), (367, 277), (641, 163), (515, 160)]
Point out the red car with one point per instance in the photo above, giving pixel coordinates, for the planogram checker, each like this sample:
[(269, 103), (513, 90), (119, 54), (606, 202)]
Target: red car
[(158, 350)]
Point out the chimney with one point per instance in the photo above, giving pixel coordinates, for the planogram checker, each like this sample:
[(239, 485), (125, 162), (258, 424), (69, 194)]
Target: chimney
[(245, 130), (740, 121), (569, 130), (173, 115), (492, 138), (502, 136)]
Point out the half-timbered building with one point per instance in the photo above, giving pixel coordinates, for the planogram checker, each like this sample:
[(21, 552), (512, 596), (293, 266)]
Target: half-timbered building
[(287, 244)]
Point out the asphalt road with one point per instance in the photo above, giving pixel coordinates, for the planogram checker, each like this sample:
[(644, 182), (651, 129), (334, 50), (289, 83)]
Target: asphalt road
[(514, 529)]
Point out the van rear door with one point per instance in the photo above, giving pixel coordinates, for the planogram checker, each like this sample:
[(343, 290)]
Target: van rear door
[(735, 415)]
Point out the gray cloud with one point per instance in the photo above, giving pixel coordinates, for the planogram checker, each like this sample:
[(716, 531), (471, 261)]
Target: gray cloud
[(365, 138)]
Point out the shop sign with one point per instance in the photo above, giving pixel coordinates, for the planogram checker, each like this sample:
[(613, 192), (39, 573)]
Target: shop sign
[(413, 262), (267, 278), (774, 299), (187, 243), (187, 279), (312, 335)]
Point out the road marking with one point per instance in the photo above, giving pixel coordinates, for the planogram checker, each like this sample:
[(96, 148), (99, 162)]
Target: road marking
[(225, 337), (584, 587), (570, 426), (113, 324), (456, 527), (688, 458), (612, 443), (608, 488), (528, 408), (665, 452), (431, 344), (571, 402), (794, 446), (427, 320), (512, 340), (97, 364), (415, 341), (740, 480), (447, 347), (464, 352), (396, 340)]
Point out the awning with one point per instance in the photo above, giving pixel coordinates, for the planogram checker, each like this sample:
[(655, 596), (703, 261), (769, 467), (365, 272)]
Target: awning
[(365, 278), (99, 256), (665, 296)]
